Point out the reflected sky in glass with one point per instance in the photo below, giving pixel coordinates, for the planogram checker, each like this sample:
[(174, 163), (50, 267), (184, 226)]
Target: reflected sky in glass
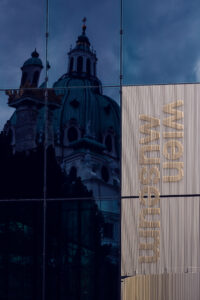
[(23, 29), (161, 41), (103, 21)]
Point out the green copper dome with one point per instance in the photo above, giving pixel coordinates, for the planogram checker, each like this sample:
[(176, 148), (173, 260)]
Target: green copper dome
[(34, 60), (94, 112)]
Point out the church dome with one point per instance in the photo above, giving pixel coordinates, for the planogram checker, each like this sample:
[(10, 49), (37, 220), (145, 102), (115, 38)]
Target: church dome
[(85, 115), (92, 113)]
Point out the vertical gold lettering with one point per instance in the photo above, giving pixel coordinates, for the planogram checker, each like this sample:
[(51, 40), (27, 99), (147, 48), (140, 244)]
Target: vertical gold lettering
[(176, 115), (149, 160), (149, 191), (173, 134), (155, 234), (173, 165), (146, 129), (149, 175), (149, 224), (176, 149)]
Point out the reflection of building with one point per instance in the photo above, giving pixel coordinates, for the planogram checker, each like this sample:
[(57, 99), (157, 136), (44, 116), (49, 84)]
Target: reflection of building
[(83, 124)]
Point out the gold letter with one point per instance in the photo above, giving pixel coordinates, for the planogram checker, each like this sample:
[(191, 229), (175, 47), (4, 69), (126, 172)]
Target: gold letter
[(152, 134), (152, 171), (177, 115), (149, 224), (173, 154), (150, 190), (173, 165), (155, 234), (173, 134), (148, 160)]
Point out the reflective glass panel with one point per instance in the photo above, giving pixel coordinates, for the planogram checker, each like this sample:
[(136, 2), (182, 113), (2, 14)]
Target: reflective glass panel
[(83, 194), (22, 30), (82, 250), (22, 143), (160, 43), (21, 226), (83, 158), (84, 41)]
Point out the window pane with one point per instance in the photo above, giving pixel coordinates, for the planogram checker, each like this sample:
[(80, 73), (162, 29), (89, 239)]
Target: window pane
[(21, 250), (22, 143), (22, 29), (84, 159), (88, 50), (81, 262), (160, 43)]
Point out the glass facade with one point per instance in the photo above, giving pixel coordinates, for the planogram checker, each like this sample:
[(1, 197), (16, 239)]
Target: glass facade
[(160, 43), (21, 249), (65, 27), (59, 151), (98, 199)]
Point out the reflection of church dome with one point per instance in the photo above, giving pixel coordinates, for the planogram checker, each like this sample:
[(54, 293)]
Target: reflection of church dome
[(82, 39), (90, 112), (34, 60), (85, 119), (94, 113)]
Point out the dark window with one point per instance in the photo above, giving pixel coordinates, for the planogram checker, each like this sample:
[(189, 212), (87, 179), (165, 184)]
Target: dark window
[(88, 67), (71, 64), (35, 78), (24, 78), (72, 134), (80, 64), (94, 69), (73, 173), (108, 142), (105, 174), (108, 230)]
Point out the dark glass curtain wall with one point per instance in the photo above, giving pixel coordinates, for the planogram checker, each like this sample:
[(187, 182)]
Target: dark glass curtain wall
[(59, 150)]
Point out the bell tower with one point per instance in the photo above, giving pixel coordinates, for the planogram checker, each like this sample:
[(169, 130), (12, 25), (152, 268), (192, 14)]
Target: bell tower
[(82, 59), (29, 103), (31, 70)]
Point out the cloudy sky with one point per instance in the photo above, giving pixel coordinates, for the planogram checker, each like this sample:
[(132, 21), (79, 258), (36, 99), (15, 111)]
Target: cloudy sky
[(22, 28), (161, 42)]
